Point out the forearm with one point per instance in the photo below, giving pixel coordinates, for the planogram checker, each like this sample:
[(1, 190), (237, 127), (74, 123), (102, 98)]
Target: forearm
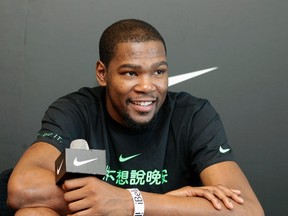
[(32, 182), (92, 196), (40, 211), (35, 187), (174, 205)]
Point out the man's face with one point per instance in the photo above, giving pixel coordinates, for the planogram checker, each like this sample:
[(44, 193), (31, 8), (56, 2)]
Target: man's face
[(136, 81)]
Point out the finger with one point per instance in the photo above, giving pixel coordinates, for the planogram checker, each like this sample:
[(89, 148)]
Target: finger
[(236, 191), (237, 198), (224, 196), (74, 195), (86, 212), (79, 206), (209, 195), (227, 195), (185, 191), (72, 184), (76, 183), (232, 193)]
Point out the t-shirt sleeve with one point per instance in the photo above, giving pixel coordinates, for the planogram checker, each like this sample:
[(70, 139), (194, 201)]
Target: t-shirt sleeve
[(209, 144), (62, 123)]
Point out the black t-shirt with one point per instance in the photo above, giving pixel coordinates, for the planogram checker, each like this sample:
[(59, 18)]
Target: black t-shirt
[(186, 137)]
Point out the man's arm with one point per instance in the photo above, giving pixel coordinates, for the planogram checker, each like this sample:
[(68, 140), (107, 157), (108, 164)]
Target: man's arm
[(227, 174), (39, 211), (32, 183), (230, 175), (185, 201), (92, 196)]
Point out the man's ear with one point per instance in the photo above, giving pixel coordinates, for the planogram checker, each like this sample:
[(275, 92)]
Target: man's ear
[(101, 73)]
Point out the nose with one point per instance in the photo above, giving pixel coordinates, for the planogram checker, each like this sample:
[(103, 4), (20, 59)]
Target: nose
[(145, 84)]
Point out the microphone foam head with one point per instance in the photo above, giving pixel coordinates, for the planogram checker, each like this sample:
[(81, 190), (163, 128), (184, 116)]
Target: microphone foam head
[(79, 144)]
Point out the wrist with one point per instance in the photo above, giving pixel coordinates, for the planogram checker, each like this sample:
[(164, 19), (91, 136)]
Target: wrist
[(137, 201)]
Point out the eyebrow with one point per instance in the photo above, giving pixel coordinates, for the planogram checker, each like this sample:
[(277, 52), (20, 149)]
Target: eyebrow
[(134, 66)]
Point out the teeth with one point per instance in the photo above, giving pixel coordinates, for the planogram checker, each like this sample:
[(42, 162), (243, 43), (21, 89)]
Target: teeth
[(146, 103)]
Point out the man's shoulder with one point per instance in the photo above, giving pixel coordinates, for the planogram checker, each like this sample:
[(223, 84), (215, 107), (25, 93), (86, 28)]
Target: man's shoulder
[(83, 100), (87, 92), (186, 107), (83, 96), (185, 100)]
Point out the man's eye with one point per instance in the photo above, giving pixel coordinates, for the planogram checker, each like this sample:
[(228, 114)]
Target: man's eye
[(158, 72), (131, 73)]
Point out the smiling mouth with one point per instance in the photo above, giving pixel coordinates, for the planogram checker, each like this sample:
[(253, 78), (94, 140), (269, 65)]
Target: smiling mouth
[(142, 103)]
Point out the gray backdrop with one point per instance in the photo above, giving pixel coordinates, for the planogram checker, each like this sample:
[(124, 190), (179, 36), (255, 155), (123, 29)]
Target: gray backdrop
[(49, 47)]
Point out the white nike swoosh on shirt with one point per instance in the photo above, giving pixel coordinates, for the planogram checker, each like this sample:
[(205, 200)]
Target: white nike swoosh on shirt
[(221, 150), (183, 77), (80, 163), (59, 168)]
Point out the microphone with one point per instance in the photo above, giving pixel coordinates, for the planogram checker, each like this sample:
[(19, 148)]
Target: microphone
[(79, 144), (79, 161)]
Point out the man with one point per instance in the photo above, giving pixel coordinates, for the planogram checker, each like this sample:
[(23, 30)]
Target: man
[(167, 145)]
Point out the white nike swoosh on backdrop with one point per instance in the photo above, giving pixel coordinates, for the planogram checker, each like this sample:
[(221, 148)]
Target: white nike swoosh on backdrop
[(183, 77)]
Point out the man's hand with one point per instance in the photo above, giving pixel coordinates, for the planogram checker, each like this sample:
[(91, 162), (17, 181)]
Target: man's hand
[(214, 194), (92, 196)]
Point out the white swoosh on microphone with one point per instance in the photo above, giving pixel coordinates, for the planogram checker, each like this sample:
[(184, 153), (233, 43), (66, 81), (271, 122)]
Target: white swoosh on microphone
[(183, 77), (80, 163), (59, 168)]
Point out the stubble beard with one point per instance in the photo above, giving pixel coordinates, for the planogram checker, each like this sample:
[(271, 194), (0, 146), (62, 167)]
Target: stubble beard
[(138, 126), (132, 124)]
